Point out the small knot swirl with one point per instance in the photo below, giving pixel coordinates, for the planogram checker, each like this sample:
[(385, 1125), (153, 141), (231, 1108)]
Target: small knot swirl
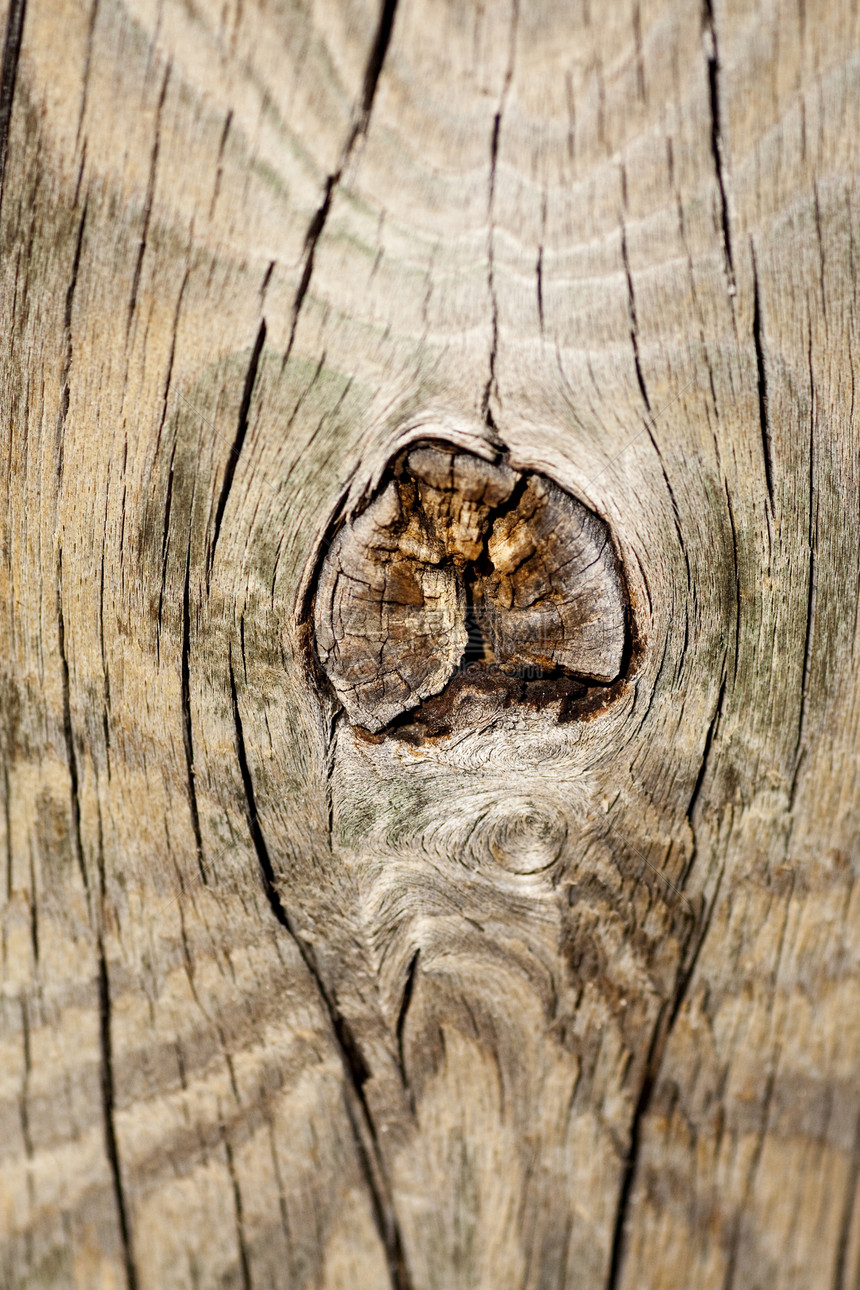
[(522, 836)]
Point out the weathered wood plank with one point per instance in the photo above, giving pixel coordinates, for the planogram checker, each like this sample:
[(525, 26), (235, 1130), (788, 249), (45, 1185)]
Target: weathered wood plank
[(527, 1003)]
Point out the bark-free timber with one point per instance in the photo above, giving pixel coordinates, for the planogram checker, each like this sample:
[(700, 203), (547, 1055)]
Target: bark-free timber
[(527, 994)]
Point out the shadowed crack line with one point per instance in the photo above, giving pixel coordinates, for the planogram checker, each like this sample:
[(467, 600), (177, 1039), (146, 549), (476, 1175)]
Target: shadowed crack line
[(841, 1269), (244, 1263), (811, 587), (761, 370), (357, 130), (187, 732), (65, 376), (661, 1033), (147, 207), (355, 1067), (634, 326), (106, 1066), (491, 235), (404, 1009), (717, 146), (8, 77), (706, 752), (238, 441)]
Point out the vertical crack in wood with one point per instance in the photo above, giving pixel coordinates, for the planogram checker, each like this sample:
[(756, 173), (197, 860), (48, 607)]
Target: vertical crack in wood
[(68, 735), (637, 44), (406, 1000), (165, 537), (187, 731), (675, 512), (108, 1103), (706, 752), (761, 370), (7, 822), (646, 1090), (171, 358), (8, 77), (355, 1068), (840, 1268), (491, 283), (764, 1121), (810, 592), (65, 374), (358, 129), (631, 312), (96, 918), (34, 913), (86, 73), (643, 389), (219, 164), (539, 265), (147, 206), (238, 441), (375, 61), (244, 1262), (734, 532), (539, 273), (312, 237), (24, 1096), (816, 207), (717, 145), (103, 652), (666, 1018), (490, 387), (660, 1036)]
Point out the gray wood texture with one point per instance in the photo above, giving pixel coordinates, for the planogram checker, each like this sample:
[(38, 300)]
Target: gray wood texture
[(529, 1004)]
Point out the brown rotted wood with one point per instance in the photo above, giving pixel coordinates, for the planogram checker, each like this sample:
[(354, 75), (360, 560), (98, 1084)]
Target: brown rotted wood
[(518, 985)]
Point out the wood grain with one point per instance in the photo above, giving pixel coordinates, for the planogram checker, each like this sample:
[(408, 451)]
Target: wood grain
[(527, 1003)]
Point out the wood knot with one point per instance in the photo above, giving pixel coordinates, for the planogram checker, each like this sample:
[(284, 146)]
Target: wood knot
[(464, 576), (524, 837)]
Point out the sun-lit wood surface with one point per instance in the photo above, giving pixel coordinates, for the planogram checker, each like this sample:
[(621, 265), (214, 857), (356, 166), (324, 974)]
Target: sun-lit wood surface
[(531, 1004)]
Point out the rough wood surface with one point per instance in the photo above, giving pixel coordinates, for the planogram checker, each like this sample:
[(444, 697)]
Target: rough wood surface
[(460, 562), (512, 1002)]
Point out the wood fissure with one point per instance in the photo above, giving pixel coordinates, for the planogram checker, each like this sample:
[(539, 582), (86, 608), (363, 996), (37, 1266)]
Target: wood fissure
[(840, 1267), (187, 727), (761, 372), (238, 443), (634, 326), (355, 1068), (69, 740), (96, 913), (405, 1001), (359, 127), (244, 1263), (717, 140), (7, 823), (104, 663), (85, 78), (713, 727), (108, 1105), (631, 1159), (12, 40), (661, 1035), (147, 204), (810, 575), (490, 387)]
